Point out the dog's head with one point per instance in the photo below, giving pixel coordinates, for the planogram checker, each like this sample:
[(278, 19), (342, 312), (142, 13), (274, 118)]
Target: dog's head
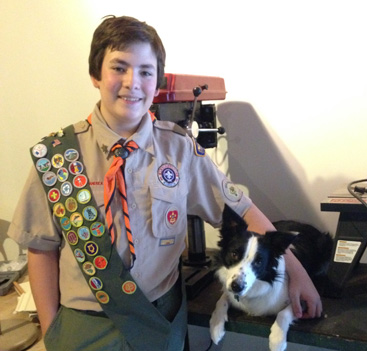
[(245, 258)]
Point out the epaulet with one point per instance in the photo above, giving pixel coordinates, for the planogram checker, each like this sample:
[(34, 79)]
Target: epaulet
[(81, 127), (170, 126)]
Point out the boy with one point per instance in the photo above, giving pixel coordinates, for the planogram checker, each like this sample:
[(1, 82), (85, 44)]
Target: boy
[(104, 271)]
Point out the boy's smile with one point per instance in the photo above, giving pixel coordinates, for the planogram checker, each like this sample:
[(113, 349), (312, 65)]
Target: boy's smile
[(128, 86)]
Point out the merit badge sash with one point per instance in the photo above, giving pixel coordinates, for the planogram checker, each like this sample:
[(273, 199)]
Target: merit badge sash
[(64, 178)]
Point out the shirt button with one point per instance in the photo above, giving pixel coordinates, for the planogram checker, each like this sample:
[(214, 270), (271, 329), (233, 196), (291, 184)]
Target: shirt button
[(133, 206), (129, 170)]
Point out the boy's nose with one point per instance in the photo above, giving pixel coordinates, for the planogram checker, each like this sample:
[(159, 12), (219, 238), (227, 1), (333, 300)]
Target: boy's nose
[(131, 80)]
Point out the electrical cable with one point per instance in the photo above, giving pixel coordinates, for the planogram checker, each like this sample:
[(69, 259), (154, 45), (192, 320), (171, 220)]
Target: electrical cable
[(361, 190)]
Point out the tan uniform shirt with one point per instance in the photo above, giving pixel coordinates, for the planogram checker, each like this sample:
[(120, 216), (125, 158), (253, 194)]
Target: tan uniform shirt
[(165, 180)]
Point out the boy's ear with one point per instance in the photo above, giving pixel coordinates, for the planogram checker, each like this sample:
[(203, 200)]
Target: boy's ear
[(156, 92), (95, 82)]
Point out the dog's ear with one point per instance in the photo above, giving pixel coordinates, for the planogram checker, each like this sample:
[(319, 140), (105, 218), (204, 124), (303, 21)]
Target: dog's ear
[(279, 241), (231, 220)]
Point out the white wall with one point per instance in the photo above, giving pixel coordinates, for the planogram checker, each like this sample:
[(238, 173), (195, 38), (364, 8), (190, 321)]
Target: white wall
[(295, 72)]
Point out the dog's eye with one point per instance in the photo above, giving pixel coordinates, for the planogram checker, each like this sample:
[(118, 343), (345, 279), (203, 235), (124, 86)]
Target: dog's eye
[(235, 255), (258, 261)]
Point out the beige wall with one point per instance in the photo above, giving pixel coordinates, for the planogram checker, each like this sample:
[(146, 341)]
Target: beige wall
[(295, 72)]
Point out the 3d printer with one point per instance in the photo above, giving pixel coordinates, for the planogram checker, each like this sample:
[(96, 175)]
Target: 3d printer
[(180, 100)]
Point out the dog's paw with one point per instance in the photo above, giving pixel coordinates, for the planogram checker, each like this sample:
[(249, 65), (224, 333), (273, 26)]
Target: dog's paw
[(217, 329), (277, 338)]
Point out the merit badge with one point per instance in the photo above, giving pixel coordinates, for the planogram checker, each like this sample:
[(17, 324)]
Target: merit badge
[(39, 150), (231, 191), (88, 268), (84, 196), (79, 255), (84, 233), (171, 217), (43, 165), (71, 204), (90, 213), (102, 297), (80, 181), (168, 175), (100, 262), (129, 287), (65, 223), (95, 283), (76, 167), (59, 209), (66, 188), (54, 195), (91, 248), (57, 160), (49, 178), (72, 238), (62, 174), (76, 219), (71, 155), (97, 229), (198, 149)]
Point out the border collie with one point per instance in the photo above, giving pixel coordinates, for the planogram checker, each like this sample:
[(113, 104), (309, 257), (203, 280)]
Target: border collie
[(251, 268)]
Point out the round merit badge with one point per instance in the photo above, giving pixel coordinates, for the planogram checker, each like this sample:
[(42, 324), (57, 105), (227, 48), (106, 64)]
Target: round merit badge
[(100, 262), (43, 165), (129, 287), (54, 195), (71, 155), (168, 175), (95, 283), (88, 268), (102, 297), (39, 150)]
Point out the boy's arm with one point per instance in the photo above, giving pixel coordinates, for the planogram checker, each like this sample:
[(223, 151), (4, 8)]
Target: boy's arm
[(301, 287), (43, 268)]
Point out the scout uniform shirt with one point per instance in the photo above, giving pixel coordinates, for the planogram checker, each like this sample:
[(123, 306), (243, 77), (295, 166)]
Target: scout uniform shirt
[(167, 178)]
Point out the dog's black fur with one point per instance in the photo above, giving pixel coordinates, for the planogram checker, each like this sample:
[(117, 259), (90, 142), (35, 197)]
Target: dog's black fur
[(251, 268)]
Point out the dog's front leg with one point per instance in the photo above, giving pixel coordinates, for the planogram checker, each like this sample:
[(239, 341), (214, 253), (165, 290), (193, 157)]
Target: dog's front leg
[(279, 330), (218, 319)]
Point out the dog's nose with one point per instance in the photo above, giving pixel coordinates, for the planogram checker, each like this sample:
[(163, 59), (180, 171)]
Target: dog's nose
[(237, 286)]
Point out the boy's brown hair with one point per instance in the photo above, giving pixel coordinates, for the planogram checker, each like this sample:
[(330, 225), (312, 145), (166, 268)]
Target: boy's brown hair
[(117, 33)]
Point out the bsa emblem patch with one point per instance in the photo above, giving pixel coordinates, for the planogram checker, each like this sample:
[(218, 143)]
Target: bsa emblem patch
[(129, 287), (168, 175)]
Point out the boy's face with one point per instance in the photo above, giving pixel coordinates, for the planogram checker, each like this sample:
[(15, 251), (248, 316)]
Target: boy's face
[(127, 86)]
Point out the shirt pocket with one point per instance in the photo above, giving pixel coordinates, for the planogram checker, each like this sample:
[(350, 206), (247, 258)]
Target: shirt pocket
[(169, 217)]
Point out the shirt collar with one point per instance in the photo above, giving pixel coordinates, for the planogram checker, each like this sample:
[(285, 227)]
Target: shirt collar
[(107, 138)]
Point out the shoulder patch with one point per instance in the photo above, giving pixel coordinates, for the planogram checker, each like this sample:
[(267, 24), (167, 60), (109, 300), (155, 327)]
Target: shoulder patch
[(198, 149), (170, 126), (81, 127)]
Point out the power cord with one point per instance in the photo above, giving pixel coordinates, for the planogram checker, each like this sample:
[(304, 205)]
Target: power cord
[(358, 190)]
